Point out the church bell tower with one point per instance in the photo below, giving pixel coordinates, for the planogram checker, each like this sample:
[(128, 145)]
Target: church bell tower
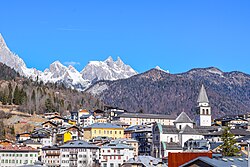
[(204, 109)]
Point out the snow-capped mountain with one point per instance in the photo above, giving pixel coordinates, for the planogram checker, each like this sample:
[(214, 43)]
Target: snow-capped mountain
[(12, 60), (107, 70), (58, 73)]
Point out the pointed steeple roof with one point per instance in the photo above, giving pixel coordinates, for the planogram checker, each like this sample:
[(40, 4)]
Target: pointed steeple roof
[(202, 98), (183, 118)]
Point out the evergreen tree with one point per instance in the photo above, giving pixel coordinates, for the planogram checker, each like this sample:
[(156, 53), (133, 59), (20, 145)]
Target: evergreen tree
[(10, 93), (49, 105), (16, 98), (228, 147), (4, 98)]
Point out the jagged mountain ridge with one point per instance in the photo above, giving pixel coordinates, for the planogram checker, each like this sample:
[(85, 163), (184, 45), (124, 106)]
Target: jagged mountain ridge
[(156, 91), (58, 73)]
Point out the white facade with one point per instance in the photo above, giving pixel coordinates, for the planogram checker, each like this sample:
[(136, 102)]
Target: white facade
[(51, 157), (115, 157), (79, 157), (142, 121), (9, 158)]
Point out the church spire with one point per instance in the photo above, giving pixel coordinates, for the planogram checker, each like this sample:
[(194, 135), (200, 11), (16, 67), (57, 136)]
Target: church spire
[(202, 98)]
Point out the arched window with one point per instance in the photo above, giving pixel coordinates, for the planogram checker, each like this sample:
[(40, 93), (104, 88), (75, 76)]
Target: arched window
[(207, 112), (171, 139), (203, 111)]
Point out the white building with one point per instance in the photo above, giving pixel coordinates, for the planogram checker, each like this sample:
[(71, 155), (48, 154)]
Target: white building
[(79, 153), (115, 154), (141, 119), (17, 156), (51, 156)]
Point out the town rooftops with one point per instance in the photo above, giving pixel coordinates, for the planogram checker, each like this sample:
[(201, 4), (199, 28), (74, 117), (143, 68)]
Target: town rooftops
[(188, 130), (16, 148), (183, 118), (78, 144), (104, 125), (225, 162), (149, 116), (146, 161), (51, 148), (169, 129), (117, 145)]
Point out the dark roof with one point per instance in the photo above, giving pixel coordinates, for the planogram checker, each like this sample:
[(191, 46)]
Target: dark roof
[(149, 116), (49, 122), (188, 130), (236, 132), (173, 146), (78, 144), (183, 118), (51, 148), (169, 129), (205, 129), (202, 98)]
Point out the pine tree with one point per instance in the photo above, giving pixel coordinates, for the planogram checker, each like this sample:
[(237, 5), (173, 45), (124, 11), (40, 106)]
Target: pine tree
[(228, 147)]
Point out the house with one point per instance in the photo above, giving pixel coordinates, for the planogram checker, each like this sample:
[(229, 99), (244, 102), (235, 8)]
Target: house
[(58, 120), (133, 143), (43, 136), (49, 125), (140, 118), (87, 119), (71, 133), (144, 161), (79, 153), (143, 134), (51, 156), (15, 155), (103, 129), (23, 136), (115, 153), (50, 115)]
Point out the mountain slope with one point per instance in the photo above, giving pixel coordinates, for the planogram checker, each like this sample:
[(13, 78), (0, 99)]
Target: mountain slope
[(35, 97), (156, 91)]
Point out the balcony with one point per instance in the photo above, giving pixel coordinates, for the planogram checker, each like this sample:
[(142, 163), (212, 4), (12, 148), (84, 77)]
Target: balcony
[(52, 154), (73, 158), (73, 152)]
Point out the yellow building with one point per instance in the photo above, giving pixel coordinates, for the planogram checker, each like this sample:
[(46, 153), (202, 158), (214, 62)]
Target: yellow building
[(103, 129), (67, 136)]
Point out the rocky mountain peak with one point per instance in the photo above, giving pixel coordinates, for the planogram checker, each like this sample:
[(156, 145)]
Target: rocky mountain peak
[(2, 42)]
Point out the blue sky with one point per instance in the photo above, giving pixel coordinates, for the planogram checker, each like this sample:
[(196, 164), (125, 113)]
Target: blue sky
[(176, 35)]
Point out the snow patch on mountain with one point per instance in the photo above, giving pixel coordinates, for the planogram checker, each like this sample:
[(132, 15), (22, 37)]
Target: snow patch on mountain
[(107, 70), (159, 68)]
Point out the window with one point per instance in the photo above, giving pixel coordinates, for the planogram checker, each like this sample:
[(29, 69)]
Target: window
[(179, 126), (171, 139), (111, 165)]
